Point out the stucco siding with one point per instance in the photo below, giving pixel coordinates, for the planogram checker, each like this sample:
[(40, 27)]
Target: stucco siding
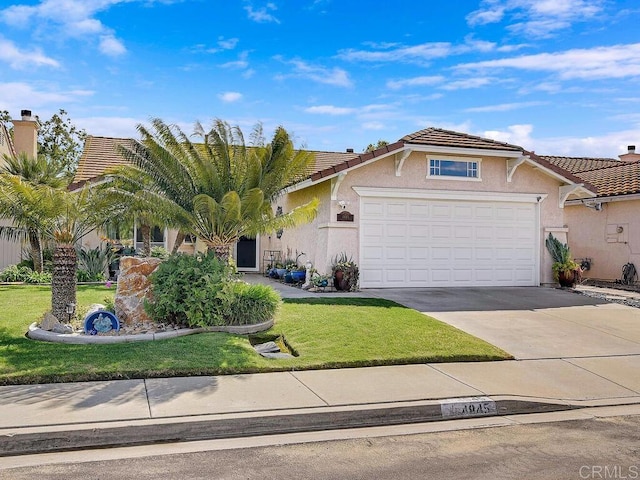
[(595, 235)]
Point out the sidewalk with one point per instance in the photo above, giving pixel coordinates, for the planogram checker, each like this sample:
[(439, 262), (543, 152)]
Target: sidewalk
[(41, 418)]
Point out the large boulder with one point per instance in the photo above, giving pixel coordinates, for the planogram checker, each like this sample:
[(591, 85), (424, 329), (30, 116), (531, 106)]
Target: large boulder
[(133, 288)]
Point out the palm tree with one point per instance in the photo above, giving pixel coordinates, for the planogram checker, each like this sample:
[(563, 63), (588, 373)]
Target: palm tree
[(25, 221), (219, 190), (28, 212), (73, 215)]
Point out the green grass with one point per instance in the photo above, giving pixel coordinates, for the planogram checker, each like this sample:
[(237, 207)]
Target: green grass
[(325, 332)]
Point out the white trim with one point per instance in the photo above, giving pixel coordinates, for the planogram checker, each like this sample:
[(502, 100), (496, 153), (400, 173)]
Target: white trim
[(449, 158), (344, 225), (335, 184), (513, 164), (450, 194), (611, 198), (565, 190), (400, 161), (464, 151), (257, 261)]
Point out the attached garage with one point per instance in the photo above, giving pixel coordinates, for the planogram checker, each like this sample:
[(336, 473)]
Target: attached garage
[(437, 239)]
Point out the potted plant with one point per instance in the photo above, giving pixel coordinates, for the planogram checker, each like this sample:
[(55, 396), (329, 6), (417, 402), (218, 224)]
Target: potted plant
[(565, 271), (345, 273), (280, 270), (299, 274)]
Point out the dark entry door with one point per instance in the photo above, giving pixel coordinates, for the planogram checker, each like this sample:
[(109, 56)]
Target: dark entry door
[(246, 258)]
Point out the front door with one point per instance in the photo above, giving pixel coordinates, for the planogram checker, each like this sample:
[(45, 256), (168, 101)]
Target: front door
[(247, 254)]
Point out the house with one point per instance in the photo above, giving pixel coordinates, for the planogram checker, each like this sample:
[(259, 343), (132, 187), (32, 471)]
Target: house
[(605, 230), (25, 140), (436, 208)]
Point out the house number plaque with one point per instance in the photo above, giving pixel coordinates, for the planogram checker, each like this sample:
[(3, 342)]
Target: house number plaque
[(345, 216)]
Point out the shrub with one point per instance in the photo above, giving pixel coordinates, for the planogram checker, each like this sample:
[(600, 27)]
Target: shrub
[(38, 277), (15, 273), (246, 304), (93, 263), (203, 291), (159, 252)]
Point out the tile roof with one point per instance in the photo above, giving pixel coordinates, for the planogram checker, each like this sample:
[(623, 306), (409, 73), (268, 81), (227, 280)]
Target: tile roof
[(581, 164), (609, 175), (99, 153), (449, 138), (620, 179)]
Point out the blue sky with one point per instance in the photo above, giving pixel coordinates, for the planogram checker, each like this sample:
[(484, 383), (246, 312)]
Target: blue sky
[(556, 76)]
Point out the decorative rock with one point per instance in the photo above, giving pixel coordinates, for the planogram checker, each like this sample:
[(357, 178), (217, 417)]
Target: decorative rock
[(133, 288), (269, 347), (49, 322), (62, 328)]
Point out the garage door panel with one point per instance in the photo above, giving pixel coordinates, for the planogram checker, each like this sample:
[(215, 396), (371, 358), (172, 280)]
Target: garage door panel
[(415, 242)]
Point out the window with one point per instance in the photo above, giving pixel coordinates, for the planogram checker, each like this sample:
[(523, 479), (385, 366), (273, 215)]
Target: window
[(454, 168)]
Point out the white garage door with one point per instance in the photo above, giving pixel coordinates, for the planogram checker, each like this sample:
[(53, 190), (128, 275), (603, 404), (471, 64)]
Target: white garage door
[(433, 243)]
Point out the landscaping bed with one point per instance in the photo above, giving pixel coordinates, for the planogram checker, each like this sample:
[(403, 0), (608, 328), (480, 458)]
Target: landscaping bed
[(325, 333)]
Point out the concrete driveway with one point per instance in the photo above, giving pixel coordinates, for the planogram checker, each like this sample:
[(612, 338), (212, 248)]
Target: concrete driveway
[(530, 322)]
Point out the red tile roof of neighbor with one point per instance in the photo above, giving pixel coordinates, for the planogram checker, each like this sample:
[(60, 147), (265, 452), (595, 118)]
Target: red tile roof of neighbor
[(608, 175)]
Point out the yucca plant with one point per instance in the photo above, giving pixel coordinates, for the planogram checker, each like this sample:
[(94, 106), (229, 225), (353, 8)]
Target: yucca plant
[(564, 268)]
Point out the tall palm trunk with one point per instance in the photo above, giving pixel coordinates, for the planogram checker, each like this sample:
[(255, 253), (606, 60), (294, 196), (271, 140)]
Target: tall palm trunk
[(63, 280), (145, 230), (180, 236), (36, 251), (222, 252)]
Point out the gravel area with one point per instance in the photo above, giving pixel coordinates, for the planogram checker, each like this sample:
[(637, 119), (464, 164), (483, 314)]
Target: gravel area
[(610, 294)]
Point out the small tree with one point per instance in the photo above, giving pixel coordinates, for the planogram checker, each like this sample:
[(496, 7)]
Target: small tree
[(60, 142), (379, 144)]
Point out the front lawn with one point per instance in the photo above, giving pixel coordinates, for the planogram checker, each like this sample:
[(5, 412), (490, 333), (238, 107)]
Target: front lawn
[(325, 332)]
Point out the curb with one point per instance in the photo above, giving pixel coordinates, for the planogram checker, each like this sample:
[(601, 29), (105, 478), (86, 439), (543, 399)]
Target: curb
[(89, 436)]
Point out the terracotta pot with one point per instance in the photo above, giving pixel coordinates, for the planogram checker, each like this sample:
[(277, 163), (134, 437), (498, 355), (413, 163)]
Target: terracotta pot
[(567, 279), (338, 280)]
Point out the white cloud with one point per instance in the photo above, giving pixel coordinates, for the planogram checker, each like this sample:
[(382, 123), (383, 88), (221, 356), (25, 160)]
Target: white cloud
[(537, 18), (230, 97), (504, 107), (110, 45), (617, 61), (262, 15), (373, 126), (609, 144), (239, 64), (467, 83), (515, 134), (228, 44), (15, 96), (330, 110), (70, 19), (119, 127), (415, 82), (23, 59), (394, 53), (330, 76)]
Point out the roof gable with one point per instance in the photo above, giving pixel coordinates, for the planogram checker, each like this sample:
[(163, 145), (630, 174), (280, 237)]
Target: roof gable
[(449, 138)]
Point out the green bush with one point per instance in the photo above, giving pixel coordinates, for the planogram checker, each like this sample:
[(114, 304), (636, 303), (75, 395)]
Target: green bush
[(203, 291), (15, 273), (246, 304), (93, 263), (38, 277), (159, 252)]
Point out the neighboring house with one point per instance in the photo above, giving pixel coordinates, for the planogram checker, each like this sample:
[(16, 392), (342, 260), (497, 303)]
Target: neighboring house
[(605, 230), (436, 208), (25, 140)]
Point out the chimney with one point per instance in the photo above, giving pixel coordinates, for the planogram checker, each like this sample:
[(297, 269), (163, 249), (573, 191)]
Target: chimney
[(631, 155), (349, 150), (25, 134)]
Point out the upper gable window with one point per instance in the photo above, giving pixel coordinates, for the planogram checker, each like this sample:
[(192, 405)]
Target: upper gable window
[(454, 168)]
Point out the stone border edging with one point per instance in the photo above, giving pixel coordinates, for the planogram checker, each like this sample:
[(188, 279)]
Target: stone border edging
[(36, 333)]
